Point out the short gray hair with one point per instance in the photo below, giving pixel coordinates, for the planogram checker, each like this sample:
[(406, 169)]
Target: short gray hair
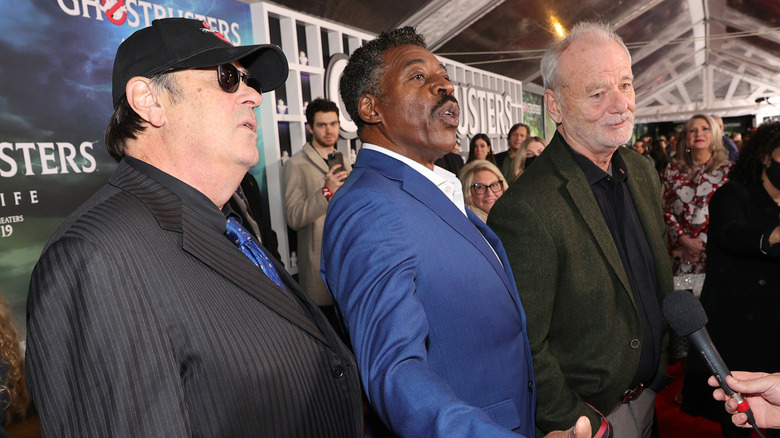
[(586, 30)]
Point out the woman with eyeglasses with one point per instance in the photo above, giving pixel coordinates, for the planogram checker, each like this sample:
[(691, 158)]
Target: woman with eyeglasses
[(483, 184)]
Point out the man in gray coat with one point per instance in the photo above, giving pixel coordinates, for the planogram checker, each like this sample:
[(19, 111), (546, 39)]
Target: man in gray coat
[(310, 180)]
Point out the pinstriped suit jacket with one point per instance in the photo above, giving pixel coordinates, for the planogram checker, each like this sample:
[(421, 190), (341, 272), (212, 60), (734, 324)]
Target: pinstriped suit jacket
[(144, 321)]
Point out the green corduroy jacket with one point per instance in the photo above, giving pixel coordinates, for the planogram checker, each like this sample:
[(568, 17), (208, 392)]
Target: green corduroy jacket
[(581, 313)]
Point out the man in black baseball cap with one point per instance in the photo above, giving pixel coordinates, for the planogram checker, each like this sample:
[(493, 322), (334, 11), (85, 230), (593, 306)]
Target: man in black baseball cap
[(151, 311), (180, 43), (173, 44)]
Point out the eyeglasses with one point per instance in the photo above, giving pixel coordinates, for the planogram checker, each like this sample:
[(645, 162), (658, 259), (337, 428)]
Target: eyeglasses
[(229, 78), (495, 187)]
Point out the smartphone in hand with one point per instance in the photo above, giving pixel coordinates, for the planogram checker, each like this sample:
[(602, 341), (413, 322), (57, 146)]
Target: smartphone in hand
[(335, 158)]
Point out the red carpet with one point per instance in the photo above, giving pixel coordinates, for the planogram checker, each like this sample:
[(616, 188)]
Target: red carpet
[(674, 423)]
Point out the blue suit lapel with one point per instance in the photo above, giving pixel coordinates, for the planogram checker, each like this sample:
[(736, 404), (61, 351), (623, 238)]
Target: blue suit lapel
[(422, 189), (504, 270)]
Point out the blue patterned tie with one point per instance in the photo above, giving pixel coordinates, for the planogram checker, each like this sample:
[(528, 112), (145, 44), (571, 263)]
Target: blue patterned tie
[(244, 241)]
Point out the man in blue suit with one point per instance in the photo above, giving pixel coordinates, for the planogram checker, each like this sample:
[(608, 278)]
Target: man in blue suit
[(421, 284)]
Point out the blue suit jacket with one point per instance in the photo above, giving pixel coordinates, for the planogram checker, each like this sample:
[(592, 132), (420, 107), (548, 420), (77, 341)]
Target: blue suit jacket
[(433, 315)]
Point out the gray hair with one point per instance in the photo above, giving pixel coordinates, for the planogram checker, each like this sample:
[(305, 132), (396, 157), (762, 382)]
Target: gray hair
[(584, 30)]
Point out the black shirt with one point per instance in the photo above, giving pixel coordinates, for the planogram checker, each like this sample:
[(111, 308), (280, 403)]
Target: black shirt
[(617, 207), (451, 161)]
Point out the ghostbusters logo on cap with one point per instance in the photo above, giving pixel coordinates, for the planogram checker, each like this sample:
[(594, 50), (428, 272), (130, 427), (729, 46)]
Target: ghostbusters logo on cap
[(208, 29)]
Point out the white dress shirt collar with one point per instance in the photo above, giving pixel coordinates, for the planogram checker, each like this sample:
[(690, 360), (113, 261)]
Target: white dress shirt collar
[(445, 180)]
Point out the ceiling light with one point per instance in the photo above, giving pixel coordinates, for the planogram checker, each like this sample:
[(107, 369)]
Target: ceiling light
[(559, 30)]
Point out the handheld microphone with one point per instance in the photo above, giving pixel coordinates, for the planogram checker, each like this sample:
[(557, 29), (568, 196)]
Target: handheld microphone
[(687, 317)]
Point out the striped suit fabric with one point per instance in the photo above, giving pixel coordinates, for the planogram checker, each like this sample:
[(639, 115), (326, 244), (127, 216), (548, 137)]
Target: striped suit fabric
[(143, 320)]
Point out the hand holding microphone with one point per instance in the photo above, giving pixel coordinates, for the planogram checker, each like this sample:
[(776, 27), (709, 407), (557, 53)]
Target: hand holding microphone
[(762, 390), (687, 318)]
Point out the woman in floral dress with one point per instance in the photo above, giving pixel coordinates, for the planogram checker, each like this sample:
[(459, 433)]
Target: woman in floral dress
[(700, 167)]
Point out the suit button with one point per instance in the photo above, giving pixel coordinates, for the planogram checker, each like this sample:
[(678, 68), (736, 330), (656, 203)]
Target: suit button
[(337, 372), (530, 386), (635, 343), (761, 282)]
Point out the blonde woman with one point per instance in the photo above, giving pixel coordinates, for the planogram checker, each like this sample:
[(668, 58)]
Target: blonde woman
[(483, 184), (529, 149), (700, 167)]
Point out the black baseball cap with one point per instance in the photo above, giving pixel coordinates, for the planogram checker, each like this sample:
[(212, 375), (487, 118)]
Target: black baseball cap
[(181, 43)]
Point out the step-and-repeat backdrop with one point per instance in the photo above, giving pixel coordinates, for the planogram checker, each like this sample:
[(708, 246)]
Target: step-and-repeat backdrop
[(56, 58)]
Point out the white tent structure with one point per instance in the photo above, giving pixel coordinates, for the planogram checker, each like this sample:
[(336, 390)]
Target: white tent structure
[(689, 56)]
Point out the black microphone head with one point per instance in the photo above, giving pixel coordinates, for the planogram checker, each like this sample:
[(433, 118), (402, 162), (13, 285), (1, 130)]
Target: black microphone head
[(684, 312)]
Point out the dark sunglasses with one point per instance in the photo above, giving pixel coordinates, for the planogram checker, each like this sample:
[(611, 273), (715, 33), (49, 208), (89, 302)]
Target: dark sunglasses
[(495, 187), (229, 78)]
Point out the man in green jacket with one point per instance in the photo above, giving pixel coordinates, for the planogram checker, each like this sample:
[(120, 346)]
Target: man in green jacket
[(586, 240)]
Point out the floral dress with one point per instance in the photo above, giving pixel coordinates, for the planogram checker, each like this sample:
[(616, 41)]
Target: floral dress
[(686, 206)]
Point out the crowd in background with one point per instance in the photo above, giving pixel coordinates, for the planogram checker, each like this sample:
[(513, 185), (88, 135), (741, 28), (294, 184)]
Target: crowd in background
[(705, 206), (693, 164), (681, 164)]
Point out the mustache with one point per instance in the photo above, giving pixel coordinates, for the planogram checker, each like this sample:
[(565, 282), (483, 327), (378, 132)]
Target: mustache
[(620, 119), (445, 99)]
